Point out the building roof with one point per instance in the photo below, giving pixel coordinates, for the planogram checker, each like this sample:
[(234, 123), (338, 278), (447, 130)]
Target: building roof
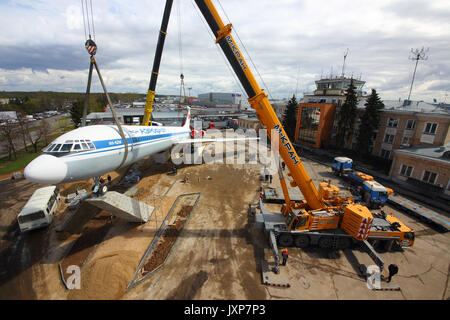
[(441, 153), (414, 107), (340, 79), (166, 114)]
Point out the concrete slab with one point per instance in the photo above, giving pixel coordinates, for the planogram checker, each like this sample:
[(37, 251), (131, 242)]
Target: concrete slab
[(269, 278), (276, 195), (123, 207), (423, 213)]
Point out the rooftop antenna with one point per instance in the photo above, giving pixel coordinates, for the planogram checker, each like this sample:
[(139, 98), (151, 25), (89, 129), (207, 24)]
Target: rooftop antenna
[(343, 65), (417, 55)]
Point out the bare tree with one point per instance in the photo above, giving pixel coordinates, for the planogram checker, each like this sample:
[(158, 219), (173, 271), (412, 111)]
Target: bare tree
[(45, 130), (4, 147), (23, 125), (34, 137), (9, 130)]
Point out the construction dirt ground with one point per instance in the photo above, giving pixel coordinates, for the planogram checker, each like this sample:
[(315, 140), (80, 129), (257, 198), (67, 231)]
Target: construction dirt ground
[(216, 251)]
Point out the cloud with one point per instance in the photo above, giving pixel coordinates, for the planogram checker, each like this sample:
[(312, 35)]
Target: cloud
[(42, 57), (291, 42)]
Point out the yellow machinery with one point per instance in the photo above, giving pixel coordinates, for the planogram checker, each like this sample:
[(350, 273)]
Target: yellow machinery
[(323, 209)]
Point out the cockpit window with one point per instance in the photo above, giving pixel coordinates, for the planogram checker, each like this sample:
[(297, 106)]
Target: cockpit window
[(61, 149), (66, 147), (56, 148)]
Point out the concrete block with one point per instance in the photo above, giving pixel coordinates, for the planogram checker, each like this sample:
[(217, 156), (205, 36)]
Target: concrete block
[(123, 207)]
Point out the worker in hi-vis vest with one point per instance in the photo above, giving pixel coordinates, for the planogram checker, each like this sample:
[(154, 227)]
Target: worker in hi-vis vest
[(285, 255)]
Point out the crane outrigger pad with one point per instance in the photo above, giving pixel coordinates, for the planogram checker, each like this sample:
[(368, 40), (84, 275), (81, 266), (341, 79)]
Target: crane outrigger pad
[(269, 278)]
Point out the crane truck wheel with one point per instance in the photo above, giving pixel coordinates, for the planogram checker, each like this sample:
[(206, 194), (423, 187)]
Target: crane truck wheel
[(325, 242), (285, 240), (302, 241), (344, 243)]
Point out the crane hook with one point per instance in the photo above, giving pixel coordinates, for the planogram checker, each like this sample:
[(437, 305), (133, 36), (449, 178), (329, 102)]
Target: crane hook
[(91, 47)]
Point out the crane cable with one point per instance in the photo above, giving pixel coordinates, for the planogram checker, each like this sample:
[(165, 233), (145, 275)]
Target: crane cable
[(91, 47), (92, 15), (208, 30), (86, 22), (180, 48), (247, 53), (180, 53)]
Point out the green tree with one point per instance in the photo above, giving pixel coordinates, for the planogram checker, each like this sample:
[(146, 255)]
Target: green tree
[(289, 121), (76, 112), (29, 107), (99, 103), (347, 116), (370, 121)]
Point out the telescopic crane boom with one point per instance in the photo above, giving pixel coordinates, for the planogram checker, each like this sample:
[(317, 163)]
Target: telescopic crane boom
[(259, 101), (156, 62)]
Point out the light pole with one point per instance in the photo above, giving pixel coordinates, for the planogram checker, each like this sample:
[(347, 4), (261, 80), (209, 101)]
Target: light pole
[(417, 55)]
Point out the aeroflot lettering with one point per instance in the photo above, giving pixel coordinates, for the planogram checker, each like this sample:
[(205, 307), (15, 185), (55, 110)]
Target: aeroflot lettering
[(285, 142), (146, 130), (236, 52)]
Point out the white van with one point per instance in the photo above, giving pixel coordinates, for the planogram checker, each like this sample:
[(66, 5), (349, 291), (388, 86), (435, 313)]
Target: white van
[(38, 212)]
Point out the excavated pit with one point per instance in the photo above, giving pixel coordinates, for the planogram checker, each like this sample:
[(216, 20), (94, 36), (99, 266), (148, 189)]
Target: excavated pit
[(166, 241)]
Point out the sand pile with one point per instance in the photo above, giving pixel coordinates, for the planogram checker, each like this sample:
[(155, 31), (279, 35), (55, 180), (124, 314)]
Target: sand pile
[(107, 277)]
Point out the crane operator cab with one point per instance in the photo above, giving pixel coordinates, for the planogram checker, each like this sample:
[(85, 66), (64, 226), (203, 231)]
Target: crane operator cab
[(297, 220)]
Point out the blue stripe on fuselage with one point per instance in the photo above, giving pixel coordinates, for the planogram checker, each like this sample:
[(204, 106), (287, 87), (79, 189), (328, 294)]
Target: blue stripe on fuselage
[(101, 144), (108, 145)]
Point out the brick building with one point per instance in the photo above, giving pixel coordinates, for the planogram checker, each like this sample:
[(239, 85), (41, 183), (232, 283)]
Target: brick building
[(249, 123), (279, 109), (418, 124), (424, 169)]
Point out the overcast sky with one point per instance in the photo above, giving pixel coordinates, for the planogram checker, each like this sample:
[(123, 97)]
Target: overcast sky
[(291, 42)]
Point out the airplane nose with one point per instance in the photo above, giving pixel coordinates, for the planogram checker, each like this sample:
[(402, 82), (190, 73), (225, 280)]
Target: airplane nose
[(46, 169)]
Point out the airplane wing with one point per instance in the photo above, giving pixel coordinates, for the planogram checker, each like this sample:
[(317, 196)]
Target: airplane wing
[(204, 140)]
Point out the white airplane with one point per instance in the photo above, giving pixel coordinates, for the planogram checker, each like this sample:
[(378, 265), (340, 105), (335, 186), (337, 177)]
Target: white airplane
[(93, 151)]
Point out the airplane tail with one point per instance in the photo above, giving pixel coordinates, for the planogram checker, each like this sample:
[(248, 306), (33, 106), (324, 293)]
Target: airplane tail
[(187, 124)]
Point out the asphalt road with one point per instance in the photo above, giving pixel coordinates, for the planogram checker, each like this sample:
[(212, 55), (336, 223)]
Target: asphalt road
[(53, 121)]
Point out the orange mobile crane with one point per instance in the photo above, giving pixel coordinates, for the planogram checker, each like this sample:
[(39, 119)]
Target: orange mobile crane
[(323, 218)]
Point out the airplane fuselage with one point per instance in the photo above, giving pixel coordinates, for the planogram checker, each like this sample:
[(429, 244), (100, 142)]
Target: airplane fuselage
[(95, 150)]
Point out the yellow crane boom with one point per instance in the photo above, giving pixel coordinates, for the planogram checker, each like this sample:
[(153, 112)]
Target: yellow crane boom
[(259, 101)]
